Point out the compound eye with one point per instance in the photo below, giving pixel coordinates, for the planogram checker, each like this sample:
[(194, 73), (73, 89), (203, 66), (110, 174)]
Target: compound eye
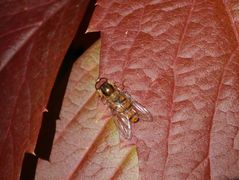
[(107, 89), (100, 82)]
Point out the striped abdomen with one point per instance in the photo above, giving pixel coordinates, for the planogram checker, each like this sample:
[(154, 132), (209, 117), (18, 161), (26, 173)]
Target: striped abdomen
[(123, 105)]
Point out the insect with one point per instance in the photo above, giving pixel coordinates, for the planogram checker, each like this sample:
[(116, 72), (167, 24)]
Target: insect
[(124, 109)]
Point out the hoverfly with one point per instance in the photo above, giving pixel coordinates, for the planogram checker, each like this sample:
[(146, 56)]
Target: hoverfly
[(124, 109)]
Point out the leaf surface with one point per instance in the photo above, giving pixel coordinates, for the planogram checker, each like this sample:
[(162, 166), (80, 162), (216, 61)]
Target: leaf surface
[(180, 60), (87, 145), (34, 37)]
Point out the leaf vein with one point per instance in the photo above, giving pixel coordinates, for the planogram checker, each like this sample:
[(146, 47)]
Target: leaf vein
[(174, 78)]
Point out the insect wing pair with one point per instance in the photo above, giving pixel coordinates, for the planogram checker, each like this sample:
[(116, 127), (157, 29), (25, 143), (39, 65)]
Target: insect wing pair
[(124, 124)]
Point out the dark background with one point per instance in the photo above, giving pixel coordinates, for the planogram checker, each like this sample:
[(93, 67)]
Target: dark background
[(80, 43)]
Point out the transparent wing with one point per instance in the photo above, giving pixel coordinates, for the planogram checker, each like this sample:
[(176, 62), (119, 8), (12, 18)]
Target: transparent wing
[(124, 126), (143, 113)]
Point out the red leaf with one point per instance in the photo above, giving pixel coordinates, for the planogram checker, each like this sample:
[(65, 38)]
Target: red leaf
[(34, 39), (180, 60), (86, 145)]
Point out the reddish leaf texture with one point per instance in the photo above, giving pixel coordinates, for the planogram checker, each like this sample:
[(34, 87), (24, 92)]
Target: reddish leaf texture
[(87, 145), (180, 59), (34, 37)]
